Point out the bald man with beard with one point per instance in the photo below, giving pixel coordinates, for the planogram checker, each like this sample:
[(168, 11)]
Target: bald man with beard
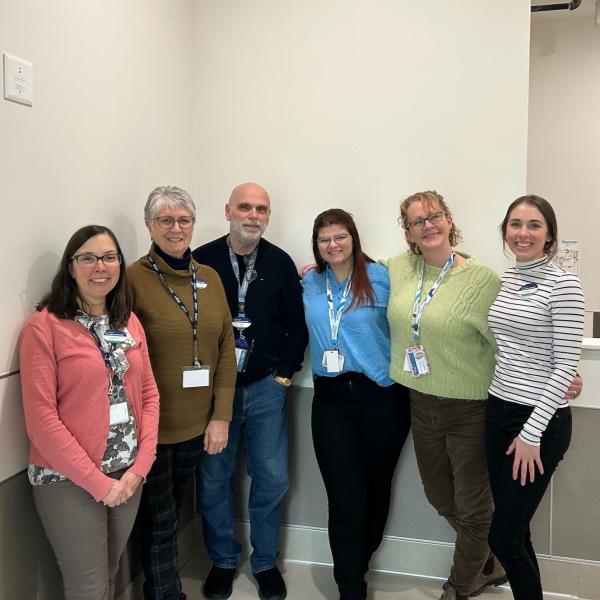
[(265, 299)]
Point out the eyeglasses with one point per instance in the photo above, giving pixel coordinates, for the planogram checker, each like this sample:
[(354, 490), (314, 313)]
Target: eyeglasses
[(419, 222), (90, 260), (168, 222), (340, 238)]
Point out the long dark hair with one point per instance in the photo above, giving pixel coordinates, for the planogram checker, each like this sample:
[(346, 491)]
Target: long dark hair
[(548, 213), (61, 300), (362, 290)]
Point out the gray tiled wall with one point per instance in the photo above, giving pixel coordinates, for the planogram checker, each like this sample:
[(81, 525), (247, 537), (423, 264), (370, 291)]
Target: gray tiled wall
[(28, 569)]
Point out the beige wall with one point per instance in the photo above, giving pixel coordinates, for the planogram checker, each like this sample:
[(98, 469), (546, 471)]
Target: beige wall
[(111, 119), (564, 130), (356, 104)]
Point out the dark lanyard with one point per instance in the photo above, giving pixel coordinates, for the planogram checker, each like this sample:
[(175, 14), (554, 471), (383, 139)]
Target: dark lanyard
[(243, 285), (193, 320), (105, 354)]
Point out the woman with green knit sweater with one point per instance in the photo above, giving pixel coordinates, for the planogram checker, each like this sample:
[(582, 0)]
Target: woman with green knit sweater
[(443, 351)]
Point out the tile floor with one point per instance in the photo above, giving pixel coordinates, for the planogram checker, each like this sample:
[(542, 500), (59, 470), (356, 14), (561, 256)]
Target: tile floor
[(314, 582)]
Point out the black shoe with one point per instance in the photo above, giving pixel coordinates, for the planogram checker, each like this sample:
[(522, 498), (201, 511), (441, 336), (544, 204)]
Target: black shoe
[(219, 583), (270, 584)]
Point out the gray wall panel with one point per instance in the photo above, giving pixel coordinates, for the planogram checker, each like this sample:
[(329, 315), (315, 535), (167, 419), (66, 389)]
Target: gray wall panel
[(540, 526), (576, 514), (27, 565)]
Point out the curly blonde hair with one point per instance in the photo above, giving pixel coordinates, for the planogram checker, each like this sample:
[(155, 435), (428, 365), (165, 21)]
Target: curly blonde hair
[(430, 200)]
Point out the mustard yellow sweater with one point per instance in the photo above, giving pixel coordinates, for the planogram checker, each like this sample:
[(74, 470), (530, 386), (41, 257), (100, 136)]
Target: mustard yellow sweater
[(185, 412)]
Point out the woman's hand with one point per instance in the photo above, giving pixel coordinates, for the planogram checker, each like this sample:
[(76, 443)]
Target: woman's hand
[(116, 495), (216, 436), (131, 481), (575, 388), (304, 269), (527, 457)]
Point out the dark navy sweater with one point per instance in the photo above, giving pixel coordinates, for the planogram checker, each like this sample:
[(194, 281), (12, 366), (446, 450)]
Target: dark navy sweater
[(273, 304)]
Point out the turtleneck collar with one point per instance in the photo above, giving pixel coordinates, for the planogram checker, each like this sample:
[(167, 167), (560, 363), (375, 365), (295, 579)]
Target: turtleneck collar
[(529, 265), (178, 264)]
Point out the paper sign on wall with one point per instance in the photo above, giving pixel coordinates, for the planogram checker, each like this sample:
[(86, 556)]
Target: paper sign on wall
[(567, 257)]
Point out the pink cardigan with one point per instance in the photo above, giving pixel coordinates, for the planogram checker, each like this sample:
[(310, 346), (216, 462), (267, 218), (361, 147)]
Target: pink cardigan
[(65, 396)]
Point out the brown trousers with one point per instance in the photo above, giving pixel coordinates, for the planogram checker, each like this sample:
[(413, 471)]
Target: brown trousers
[(88, 538), (449, 438)]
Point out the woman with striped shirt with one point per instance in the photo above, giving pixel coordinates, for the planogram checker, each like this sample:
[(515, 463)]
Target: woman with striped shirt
[(537, 320)]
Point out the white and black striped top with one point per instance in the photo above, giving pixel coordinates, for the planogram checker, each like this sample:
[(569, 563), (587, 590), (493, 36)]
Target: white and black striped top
[(537, 320)]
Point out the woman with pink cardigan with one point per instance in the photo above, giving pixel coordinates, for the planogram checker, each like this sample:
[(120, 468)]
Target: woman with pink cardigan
[(91, 410)]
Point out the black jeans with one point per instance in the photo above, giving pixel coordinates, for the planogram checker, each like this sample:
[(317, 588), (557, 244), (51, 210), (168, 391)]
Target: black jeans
[(515, 505), (358, 429)]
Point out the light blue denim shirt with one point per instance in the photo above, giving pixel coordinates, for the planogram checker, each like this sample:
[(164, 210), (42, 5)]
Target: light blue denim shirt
[(364, 334)]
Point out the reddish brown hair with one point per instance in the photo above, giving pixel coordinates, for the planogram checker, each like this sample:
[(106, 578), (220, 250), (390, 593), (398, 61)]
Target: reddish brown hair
[(362, 290)]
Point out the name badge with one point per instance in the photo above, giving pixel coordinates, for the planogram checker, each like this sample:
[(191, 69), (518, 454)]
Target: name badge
[(527, 290), (333, 361), (195, 376), (114, 336), (201, 284), (119, 413), (240, 322), (415, 361)]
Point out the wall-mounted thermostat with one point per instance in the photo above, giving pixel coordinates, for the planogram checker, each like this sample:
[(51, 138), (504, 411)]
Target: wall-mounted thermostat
[(18, 79)]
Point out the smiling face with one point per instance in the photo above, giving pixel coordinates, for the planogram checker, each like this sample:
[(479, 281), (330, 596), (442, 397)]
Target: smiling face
[(526, 232), (335, 246), (248, 212), (173, 241), (428, 237), (95, 282)]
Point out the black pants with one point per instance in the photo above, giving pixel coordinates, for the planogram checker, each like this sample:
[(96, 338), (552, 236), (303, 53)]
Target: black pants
[(515, 505), (358, 430), (162, 497)]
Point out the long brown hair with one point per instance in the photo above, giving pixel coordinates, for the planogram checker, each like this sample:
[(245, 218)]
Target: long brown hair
[(362, 290), (61, 300)]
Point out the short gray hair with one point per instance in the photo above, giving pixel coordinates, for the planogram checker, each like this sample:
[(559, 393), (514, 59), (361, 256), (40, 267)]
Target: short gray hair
[(168, 196)]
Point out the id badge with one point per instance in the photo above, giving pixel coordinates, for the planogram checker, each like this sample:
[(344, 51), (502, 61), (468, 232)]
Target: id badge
[(241, 322), (527, 290), (416, 362), (119, 413), (115, 336), (195, 376), (242, 353), (333, 361)]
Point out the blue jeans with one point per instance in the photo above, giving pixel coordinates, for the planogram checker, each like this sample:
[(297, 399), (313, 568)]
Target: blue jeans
[(260, 420)]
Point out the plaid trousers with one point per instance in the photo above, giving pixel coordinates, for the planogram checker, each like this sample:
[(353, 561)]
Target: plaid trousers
[(160, 506)]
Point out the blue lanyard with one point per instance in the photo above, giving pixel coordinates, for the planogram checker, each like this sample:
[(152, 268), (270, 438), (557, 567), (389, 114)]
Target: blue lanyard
[(193, 320), (335, 316), (242, 285), (419, 309)]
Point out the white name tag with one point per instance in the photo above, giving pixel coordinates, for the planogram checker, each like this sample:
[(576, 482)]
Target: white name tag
[(415, 361), (333, 361), (119, 413), (196, 377)]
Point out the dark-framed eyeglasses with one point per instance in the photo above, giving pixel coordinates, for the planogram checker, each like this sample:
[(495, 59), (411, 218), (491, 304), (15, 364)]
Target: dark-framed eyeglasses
[(90, 260), (168, 222), (418, 223)]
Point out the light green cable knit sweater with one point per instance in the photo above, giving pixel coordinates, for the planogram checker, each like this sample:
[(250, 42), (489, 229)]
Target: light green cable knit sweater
[(454, 329)]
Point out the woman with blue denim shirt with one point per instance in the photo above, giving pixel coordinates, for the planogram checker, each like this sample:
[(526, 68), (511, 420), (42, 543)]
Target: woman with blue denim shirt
[(360, 417), (537, 319)]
